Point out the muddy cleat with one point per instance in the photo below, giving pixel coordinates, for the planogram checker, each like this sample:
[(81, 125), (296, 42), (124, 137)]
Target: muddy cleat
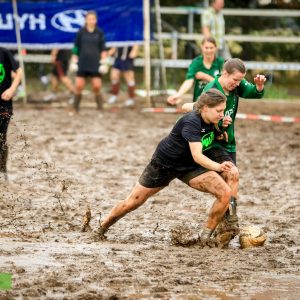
[(228, 228), (98, 234), (129, 103)]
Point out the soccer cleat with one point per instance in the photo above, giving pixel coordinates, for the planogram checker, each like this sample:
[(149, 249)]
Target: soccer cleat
[(129, 102), (112, 99)]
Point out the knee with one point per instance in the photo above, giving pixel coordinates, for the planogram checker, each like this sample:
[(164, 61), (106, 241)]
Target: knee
[(96, 88), (234, 173), (226, 194)]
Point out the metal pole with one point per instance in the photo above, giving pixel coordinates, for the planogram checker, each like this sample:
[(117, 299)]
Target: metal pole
[(19, 42), (160, 44), (147, 68)]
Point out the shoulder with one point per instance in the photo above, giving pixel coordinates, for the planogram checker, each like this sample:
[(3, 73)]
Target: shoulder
[(192, 117), (219, 60), (197, 60), (4, 51), (212, 84)]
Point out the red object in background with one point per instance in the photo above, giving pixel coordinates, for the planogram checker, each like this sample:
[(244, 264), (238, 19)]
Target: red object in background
[(24, 51)]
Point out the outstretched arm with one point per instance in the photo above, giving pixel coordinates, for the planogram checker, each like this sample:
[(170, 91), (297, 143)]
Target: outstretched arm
[(184, 88)]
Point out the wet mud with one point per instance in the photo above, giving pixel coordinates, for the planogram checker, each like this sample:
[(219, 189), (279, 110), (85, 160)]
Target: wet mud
[(59, 165)]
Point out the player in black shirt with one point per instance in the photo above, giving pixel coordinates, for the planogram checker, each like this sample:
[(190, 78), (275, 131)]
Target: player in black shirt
[(182, 155), (8, 86), (89, 49)]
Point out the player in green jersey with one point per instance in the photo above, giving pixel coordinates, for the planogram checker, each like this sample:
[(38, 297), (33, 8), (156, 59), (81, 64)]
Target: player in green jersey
[(232, 83), (202, 70)]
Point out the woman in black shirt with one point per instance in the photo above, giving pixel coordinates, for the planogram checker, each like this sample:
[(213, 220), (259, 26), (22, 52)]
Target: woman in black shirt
[(88, 51), (182, 155)]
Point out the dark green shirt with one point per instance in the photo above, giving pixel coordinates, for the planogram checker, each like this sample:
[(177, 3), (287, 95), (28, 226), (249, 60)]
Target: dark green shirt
[(198, 66), (245, 90)]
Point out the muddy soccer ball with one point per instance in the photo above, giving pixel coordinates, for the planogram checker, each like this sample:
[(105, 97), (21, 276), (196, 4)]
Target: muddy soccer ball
[(252, 236)]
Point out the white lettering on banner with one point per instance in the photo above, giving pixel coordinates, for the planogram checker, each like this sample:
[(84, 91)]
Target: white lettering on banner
[(34, 22), (7, 24), (69, 20), (41, 21)]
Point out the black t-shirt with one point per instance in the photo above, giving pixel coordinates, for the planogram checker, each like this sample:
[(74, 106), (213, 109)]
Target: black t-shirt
[(174, 150), (90, 45), (7, 65)]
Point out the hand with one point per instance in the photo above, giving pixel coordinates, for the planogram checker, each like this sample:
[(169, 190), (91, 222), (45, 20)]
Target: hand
[(199, 75), (174, 99), (222, 136), (103, 69), (226, 121), (73, 67), (7, 94), (260, 81), (226, 166)]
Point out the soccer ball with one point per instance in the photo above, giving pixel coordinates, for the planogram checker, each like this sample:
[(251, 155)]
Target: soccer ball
[(252, 236)]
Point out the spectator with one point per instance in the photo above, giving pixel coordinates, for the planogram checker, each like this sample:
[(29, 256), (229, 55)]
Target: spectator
[(124, 57), (88, 51), (202, 70), (213, 25)]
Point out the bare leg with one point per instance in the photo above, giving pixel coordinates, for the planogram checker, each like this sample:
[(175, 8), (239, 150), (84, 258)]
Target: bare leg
[(213, 183), (96, 84), (68, 83), (80, 83), (136, 198), (232, 179)]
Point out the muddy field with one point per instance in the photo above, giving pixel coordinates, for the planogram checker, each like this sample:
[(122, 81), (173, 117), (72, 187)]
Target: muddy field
[(60, 164)]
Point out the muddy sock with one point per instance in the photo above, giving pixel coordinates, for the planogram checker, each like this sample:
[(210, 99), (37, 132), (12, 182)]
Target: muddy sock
[(131, 90), (3, 159), (77, 99), (206, 233), (115, 87), (99, 101)]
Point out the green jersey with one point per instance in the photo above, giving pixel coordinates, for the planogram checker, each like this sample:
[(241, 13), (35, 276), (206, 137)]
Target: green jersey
[(245, 90), (196, 66)]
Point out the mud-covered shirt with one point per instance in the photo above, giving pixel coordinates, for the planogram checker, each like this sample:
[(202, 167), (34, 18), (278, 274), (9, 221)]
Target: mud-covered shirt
[(244, 90), (196, 66), (174, 150), (88, 46), (7, 65)]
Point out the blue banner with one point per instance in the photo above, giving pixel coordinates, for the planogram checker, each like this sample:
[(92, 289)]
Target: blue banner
[(51, 24)]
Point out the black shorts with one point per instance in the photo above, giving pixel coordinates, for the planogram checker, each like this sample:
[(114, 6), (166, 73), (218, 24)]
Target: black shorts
[(123, 65), (60, 68), (220, 155), (157, 175), (88, 74)]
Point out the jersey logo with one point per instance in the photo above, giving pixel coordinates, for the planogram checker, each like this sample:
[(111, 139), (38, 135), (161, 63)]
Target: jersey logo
[(2, 73), (229, 112), (207, 140), (69, 20)]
